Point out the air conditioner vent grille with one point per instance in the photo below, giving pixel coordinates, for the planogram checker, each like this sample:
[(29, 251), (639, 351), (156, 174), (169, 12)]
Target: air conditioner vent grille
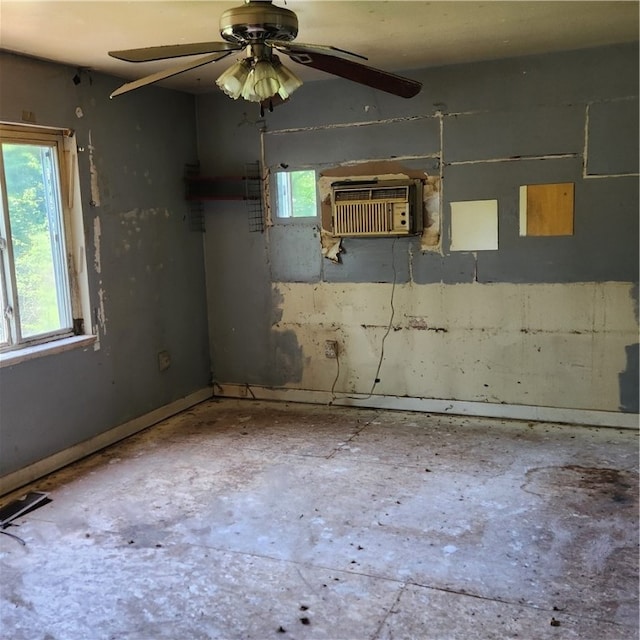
[(401, 193), (363, 218), (380, 209), (386, 193), (352, 194)]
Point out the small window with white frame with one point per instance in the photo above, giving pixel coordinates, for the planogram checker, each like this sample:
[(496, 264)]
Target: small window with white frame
[(296, 194), (41, 297)]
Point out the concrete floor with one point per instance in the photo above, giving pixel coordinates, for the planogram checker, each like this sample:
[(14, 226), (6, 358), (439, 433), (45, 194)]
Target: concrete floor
[(256, 520)]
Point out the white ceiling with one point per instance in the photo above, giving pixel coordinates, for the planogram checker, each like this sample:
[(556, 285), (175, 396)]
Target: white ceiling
[(394, 35)]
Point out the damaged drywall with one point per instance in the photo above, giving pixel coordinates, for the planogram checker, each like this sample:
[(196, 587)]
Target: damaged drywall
[(100, 313), (496, 343), (93, 171), (331, 246), (97, 232)]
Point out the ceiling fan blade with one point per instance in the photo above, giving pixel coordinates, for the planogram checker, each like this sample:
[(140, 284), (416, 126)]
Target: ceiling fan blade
[(285, 46), (354, 71), (148, 54), (167, 73)]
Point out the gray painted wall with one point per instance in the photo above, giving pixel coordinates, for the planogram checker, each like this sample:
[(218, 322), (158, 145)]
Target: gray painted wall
[(151, 278), (568, 117)]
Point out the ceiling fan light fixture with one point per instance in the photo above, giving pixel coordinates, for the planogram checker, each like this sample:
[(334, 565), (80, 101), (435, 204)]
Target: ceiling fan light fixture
[(248, 91), (265, 80), (289, 81), (233, 80), (258, 79)]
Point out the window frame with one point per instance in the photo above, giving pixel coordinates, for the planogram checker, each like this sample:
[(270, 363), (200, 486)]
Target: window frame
[(291, 219), (69, 264)]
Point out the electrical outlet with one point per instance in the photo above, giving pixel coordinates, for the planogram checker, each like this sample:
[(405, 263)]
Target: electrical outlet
[(331, 349), (164, 360)]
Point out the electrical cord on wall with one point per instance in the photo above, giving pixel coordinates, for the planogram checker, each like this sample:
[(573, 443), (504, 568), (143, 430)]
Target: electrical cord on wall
[(376, 379), (335, 380), (384, 337)]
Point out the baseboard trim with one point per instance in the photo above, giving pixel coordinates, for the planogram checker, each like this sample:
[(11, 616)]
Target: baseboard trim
[(455, 407), (28, 474)]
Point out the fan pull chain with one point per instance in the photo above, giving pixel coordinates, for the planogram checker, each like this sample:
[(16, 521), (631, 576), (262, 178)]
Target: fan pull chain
[(262, 108)]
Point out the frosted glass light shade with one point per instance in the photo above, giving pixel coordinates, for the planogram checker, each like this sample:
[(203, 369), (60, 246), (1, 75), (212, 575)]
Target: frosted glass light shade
[(258, 80), (289, 81), (248, 91), (266, 83), (233, 80)]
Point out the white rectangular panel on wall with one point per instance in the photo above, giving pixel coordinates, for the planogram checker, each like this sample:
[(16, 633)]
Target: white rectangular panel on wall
[(474, 225)]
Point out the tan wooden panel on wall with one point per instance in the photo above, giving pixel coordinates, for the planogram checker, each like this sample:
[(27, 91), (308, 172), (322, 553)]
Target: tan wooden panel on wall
[(547, 209)]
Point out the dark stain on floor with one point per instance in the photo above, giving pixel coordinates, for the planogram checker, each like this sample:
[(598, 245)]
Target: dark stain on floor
[(613, 485)]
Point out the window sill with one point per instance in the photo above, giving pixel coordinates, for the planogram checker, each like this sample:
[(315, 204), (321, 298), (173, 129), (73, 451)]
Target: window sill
[(10, 358), (306, 221)]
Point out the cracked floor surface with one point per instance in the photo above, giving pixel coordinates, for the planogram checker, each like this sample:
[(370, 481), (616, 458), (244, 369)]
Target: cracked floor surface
[(243, 519)]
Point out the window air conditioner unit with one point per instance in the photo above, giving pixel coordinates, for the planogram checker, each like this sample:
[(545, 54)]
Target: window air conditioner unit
[(369, 209)]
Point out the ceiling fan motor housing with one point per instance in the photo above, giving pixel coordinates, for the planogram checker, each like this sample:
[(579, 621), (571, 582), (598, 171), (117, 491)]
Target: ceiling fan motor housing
[(257, 21)]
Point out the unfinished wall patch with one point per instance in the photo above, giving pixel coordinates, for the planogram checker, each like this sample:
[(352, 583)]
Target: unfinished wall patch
[(547, 209), (551, 345), (93, 172), (474, 225), (277, 300), (331, 246), (430, 239), (100, 315), (97, 232)]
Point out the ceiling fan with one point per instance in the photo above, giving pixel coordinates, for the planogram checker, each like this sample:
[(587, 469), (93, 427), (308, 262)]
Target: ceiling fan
[(259, 28)]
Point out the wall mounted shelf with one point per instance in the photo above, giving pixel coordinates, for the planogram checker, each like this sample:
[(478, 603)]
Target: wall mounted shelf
[(247, 187), (202, 188)]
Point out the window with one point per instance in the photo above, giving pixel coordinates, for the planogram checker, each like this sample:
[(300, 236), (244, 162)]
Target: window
[(296, 194), (37, 272)]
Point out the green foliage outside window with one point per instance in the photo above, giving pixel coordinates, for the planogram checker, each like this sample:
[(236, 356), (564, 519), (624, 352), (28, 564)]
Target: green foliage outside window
[(29, 174), (303, 194)]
